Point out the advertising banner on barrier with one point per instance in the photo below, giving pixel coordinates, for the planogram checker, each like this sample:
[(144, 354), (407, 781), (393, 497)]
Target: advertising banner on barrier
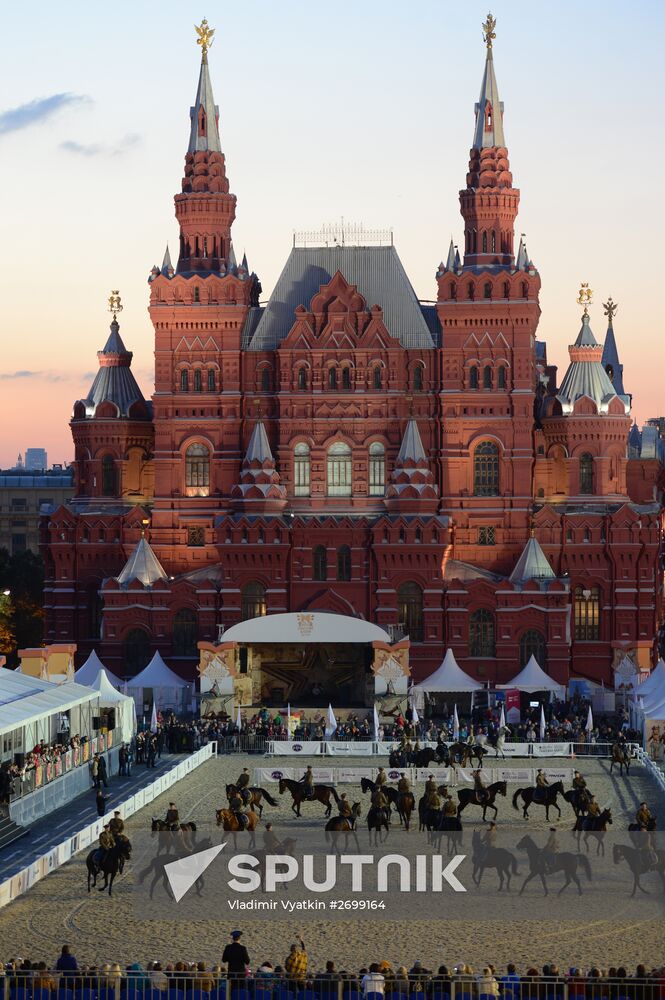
[(333, 749), (354, 775), (325, 775), (441, 774), (551, 749), (296, 748), (515, 750), (385, 749), (553, 774), (463, 775), (271, 774), (515, 775)]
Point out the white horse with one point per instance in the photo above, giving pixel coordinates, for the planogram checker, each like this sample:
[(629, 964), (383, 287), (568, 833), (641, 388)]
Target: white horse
[(500, 740)]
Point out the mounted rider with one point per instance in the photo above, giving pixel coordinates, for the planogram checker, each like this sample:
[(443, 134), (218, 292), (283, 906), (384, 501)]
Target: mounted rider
[(381, 778), (237, 807), (172, 819), (433, 800), (379, 799), (308, 782), (482, 793), (242, 784), (644, 816), (449, 807), (116, 824), (593, 809), (489, 839), (579, 783), (344, 807), (541, 784), (403, 785), (430, 787), (106, 844), (550, 849)]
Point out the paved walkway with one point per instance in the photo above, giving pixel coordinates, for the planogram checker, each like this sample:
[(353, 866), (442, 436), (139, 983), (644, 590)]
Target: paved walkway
[(51, 830)]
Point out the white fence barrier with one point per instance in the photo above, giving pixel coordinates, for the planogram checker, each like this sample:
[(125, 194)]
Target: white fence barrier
[(372, 748), (19, 884), (443, 775)]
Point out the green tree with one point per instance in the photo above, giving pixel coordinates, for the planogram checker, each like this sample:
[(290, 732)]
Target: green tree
[(21, 611)]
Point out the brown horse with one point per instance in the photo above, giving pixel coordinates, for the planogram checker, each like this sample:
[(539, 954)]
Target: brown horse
[(406, 803), (320, 793), (255, 797), (470, 797), (620, 756), (229, 822)]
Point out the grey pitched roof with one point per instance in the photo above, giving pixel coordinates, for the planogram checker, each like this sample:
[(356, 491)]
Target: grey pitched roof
[(114, 382), (489, 94), (376, 271), (610, 359), (522, 262), (166, 263), (258, 449), (450, 260), (585, 337), (204, 99), (142, 565), (587, 377), (411, 449), (533, 564)]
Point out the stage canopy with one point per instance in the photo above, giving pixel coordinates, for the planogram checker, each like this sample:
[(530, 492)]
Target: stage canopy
[(26, 700), (124, 706), (532, 678), (87, 674), (652, 690), (305, 627), (449, 677)]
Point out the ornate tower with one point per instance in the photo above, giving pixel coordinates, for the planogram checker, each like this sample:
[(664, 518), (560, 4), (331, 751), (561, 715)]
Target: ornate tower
[(488, 308)]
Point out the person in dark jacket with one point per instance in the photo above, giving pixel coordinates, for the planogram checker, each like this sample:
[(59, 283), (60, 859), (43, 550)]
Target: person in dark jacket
[(236, 956), (100, 802), (102, 772), (67, 962)]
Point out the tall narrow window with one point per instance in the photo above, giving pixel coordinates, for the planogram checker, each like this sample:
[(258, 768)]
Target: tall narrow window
[(481, 633), (184, 380), (487, 377), (453, 290), (211, 380), (493, 244), (344, 563), (486, 470), (346, 378), (470, 290), (410, 610), (506, 289), (417, 379), (198, 387), (484, 242), (320, 563), (586, 474), (586, 611), (339, 470), (501, 378), (302, 378), (184, 633), (532, 643), (332, 378), (197, 471), (109, 477), (377, 377), (487, 290), (265, 380), (301, 470), (377, 469), (253, 601), (473, 377), (197, 291)]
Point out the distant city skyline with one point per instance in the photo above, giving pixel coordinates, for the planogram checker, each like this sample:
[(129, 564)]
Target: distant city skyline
[(316, 124)]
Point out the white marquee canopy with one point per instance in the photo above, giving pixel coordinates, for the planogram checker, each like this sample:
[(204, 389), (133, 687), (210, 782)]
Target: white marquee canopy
[(26, 700), (532, 678), (88, 673), (449, 676), (305, 627)]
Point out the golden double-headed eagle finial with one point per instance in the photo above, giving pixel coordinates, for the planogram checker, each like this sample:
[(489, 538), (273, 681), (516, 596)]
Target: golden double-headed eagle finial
[(585, 297), (489, 33), (205, 33), (610, 308), (115, 303)]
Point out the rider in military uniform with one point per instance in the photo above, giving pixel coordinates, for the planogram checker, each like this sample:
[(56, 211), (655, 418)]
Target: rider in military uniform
[(172, 819), (308, 781), (579, 783), (242, 784), (449, 807), (643, 816), (433, 800), (541, 785), (403, 785), (106, 844), (480, 787), (381, 778), (237, 807), (593, 809), (550, 849), (270, 841), (430, 786), (489, 840), (344, 806), (116, 825)]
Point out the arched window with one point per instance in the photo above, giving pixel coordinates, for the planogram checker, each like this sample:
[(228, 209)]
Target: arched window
[(501, 377), (532, 643), (184, 380), (486, 470), (484, 242), (487, 290), (253, 600), (487, 377), (197, 293), (418, 378), (301, 469), (470, 290), (586, 611), (265, 380), (525, 290), (137, 651), (332, 378), (410, 610), (377, 469), (377, 377), (344, 563), (95, 608), (339, 469), (506, 289), (481, 633), (109, 477), (346, 378), (493, 243), (197, 471), (610, 372), (198, 386), (586, 474), (184, 633), (302, 378), (473, 377), (211, 380), (320, 563), (453, 290)]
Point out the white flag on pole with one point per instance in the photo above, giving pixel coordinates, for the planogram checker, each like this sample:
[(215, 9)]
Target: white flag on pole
[(415, 718), (455, 724), (376, 724), (331, 724), (239, 720), (502, 718), (153, 719), (288, 721), (589, 721), (542, 724)]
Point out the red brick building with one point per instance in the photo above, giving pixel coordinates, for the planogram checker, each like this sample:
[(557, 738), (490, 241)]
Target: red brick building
[(344, 447)]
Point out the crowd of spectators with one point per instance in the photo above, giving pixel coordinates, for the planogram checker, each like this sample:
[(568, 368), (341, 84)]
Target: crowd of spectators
[(41, 754), (296, 976)]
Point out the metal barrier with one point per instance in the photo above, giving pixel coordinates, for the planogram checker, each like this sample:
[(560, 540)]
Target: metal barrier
[(216, 984), (242, 743), (363, 748)]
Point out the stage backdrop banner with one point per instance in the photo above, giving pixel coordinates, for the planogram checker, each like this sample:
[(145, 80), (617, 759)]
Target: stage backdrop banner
[(551, 749), (334, 749), (296, 748)]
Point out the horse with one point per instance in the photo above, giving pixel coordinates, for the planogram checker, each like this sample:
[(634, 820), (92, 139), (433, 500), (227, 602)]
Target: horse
[(168, 838), (504, 863), (462, 753), (287, 848), (112, 865), (620, 756), (543, 863), (320, 793), (367, 785), (429, 818), (640, 862), (470, 797), (255, 796), (637, 831), (595, 825), (423, 758), (159, 873), (338, 825), (406, 803), (498, 742), (378, 819), (579, 799), (547, 799)]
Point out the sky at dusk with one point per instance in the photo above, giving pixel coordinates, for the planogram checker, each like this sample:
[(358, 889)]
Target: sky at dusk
[(355, 109)]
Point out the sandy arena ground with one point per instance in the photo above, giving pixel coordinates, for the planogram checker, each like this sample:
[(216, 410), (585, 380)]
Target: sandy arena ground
[(58, 909)]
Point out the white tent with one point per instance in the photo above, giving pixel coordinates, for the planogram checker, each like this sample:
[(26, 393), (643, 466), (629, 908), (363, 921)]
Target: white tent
[(167, 688), (532, 678), (31, 701), (448, 677), (87, 674), (124, 706), (653, 688)]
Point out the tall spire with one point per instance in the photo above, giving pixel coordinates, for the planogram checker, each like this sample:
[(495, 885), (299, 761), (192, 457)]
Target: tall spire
[(489, 109), (610, 359), (204, 133)]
